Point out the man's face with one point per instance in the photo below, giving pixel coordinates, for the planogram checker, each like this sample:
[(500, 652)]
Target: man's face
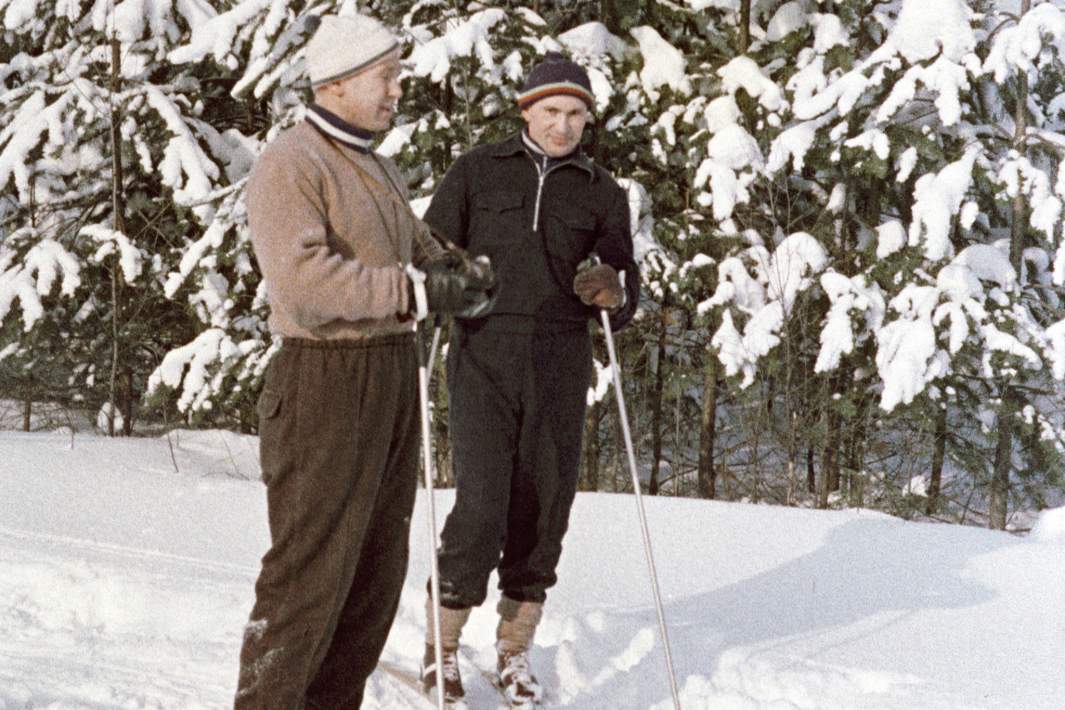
[(556, 123), (367, 99)]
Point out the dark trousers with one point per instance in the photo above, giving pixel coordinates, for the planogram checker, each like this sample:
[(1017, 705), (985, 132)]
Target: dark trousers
[(338, 428), (516, 415)]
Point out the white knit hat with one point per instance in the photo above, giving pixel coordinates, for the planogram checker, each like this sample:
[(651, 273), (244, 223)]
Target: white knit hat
[(344, 45)]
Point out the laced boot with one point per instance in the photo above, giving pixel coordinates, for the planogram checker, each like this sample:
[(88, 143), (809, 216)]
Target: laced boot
[(516, 681), (453, 691)]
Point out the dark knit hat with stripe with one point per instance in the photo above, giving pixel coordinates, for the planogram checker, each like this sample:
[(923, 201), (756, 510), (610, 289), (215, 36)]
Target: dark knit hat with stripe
[(553, 76)]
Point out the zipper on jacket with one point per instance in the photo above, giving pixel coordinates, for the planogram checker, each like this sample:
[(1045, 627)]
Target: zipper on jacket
[(540, 189)]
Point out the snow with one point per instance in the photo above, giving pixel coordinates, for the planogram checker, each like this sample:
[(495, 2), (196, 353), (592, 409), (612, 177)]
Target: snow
[(906, 355), (110, 240), (462, 39), (848, 295), (721, 113), (891, 236), (593, 39), (734, 148), (988, 263), (35, 278), (829, 33), (183, 156), (924, 29), (19, 12), (127, 570), (1018, 45), (1050, 528), (213, 34), (906, 163), (789, 17), (743, 73), (663, 64), (187, 368), (937, 198), (767, 298), (792, 145)]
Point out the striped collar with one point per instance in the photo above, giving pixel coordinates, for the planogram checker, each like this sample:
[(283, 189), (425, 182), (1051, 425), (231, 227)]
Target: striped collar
[(333, 126)]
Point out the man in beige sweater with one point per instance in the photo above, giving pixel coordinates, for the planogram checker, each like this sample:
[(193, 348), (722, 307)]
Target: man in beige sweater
[(348, 270)]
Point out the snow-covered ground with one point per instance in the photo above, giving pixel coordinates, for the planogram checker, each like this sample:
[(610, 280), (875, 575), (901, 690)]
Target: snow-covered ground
[(126, 577)]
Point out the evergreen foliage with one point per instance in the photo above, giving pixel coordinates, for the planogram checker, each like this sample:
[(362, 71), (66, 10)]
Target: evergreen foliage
[(848, 217)]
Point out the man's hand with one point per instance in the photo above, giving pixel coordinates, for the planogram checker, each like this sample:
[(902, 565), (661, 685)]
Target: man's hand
[(599, 286), (456, 285)]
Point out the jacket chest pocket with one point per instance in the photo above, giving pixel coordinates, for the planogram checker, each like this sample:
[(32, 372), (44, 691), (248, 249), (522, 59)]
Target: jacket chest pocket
[(497, 217), (569, 238)]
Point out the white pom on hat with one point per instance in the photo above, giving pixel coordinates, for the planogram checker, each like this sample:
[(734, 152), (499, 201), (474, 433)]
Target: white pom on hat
[(343, 45)]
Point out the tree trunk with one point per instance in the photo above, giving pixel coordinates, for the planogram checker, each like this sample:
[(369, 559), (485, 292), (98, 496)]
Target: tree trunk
[(27, 408), (589, 478), (856, 455), (656, 404), (939, 456), (745, 26), (811, 474), (118, 219), (617, 461), (1000, 477), (1019, 208), (708, 428), (830, 455), (129, 399)]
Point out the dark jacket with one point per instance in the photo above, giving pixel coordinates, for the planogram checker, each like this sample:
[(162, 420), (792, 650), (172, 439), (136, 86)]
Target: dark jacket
[(487, 203)]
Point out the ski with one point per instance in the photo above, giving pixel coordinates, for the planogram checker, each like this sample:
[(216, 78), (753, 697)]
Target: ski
[(492, 679), (412, 681)]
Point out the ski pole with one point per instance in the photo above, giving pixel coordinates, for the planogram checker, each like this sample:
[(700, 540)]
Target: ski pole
[(432, 350), (427, 466), (616, 370)]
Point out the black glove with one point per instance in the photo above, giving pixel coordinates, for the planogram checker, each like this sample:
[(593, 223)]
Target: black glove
[(457, 285)]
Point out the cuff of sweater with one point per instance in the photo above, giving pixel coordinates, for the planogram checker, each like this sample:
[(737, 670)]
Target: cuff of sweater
[(420, 308)]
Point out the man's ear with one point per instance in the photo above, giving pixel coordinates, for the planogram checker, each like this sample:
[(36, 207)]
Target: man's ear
[(332, 89)]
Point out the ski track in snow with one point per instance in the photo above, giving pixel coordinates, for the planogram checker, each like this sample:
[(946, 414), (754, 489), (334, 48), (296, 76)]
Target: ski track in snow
[(126, 585)]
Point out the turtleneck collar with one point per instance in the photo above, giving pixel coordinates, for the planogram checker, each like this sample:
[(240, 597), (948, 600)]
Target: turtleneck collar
[(543, 158), (333, 126)]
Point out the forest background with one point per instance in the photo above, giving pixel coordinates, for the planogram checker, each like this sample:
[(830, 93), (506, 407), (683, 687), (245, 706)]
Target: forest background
[(848, 216)]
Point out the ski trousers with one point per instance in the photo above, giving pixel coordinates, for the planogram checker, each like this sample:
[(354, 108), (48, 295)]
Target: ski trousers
[(339, 430), (516, 416)]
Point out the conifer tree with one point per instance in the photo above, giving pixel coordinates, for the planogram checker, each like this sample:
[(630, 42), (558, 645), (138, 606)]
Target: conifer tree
[(106, 158)]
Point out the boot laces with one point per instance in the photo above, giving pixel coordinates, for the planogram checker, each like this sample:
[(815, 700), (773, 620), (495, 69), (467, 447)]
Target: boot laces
[(515, 671), (451, 666)]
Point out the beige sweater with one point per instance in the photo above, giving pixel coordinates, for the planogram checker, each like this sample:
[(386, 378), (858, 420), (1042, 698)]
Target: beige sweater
[(331, 243)]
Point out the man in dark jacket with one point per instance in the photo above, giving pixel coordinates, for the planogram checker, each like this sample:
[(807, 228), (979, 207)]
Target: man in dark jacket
[(556, 228)]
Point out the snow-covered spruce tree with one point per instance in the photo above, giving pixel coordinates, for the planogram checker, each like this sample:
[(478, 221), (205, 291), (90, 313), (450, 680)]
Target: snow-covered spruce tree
[(1023, 88), (103, 159), (816, 157), (708, 115), (886, 126), (215, 372), (822, 163)]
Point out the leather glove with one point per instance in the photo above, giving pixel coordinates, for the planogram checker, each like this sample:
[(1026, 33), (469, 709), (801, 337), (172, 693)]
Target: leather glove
[(455, 285), (599, 286)]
